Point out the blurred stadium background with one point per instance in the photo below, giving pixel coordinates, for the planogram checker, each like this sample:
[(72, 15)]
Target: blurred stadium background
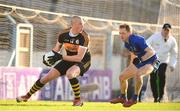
[(29, 28)]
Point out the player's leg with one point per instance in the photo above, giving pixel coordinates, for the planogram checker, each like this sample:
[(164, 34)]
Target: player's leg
[(145, 70), (58, 70), (142, 71), (162, 80), (153, 79), (143, 89), (52, 74), (129, 72), (72, 73)]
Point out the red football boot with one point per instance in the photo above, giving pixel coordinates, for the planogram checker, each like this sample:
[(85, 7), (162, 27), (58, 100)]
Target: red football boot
[(118, 100), (77, 102), (129, 103), (22, 98)]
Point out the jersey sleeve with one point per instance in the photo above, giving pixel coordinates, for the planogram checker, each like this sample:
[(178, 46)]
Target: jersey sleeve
[(173, 53), (60, 38), (61, 35), (86, 39), (141, 43)]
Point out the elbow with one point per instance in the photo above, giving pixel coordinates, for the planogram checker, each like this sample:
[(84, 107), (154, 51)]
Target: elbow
[(151, 53), (78, 59)]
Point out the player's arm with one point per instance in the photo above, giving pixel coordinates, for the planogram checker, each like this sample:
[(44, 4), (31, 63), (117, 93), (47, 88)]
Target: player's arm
[(133, 56), (125, 52), (149, 54), (57, 47), (53, 56), (141, 43), (55, 50), (173, 56), (81, 50), (76, 58)]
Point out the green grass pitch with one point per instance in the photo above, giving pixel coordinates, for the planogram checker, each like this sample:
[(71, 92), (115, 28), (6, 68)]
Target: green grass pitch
[(11, 105)]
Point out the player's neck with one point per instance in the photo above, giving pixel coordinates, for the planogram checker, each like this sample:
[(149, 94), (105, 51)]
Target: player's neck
[(127, 40), (73, 33)]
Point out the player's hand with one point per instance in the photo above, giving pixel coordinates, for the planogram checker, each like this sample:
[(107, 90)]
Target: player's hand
[(156, 65), (136, 61), (51, 58), (45, 62), (171, 68), (54, 58)]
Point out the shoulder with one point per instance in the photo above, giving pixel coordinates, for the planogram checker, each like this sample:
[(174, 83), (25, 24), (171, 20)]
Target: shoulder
[(64, 31), (156, 35), (62, 35), (173, 38), (84, 34), (155, 38), (136, 38)]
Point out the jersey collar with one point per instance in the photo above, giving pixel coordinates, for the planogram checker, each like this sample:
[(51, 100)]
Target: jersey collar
[(71, 34)]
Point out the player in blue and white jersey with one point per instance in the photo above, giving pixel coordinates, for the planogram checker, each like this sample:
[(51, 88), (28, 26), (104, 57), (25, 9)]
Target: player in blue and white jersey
[(143, 62)]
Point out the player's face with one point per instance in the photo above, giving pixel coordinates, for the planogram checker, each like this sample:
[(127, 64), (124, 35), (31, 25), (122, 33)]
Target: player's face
[(78, 25), (124, 34)]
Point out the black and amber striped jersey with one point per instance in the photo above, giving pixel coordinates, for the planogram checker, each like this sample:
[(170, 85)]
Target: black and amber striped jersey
[(71, 44)]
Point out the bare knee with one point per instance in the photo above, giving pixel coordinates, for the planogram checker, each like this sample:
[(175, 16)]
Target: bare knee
[(122, 78), (72, 73), (138, 78), (69, 74), (43, 80)]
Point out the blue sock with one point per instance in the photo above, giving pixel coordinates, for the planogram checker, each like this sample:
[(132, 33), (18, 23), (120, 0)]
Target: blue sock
[(123, 96), (135, 97)]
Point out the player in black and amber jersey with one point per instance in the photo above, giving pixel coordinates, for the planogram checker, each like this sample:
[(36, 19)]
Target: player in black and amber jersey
[(75, 63)]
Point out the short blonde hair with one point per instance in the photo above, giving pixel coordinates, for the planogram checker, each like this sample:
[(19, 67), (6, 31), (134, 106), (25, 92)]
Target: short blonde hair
[(74, 19)]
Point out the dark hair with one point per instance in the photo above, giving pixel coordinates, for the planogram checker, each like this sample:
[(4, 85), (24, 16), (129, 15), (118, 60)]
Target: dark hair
[(166, 26), (126, 26)]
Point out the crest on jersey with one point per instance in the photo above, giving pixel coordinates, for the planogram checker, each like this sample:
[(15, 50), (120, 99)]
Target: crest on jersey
[(72, 41), (77, 41), (66, 40)]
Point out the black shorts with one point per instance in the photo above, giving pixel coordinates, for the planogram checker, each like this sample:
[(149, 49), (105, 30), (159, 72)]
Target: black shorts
[(84, 65)]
